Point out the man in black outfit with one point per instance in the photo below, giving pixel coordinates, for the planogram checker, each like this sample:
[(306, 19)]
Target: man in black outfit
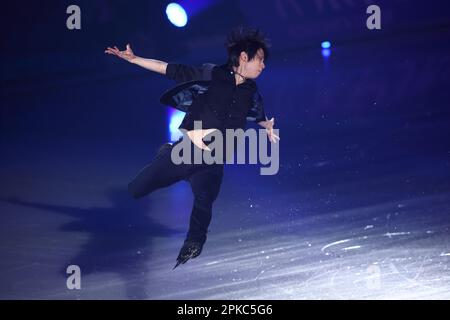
[(221, 97)]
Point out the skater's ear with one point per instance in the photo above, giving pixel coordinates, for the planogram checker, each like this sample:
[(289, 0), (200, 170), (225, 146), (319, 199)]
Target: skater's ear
[(243, 57)]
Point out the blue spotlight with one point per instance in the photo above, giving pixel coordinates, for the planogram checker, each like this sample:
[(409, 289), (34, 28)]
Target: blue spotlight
[(326, 53), (326, 45), (176, 14), (175, 118)]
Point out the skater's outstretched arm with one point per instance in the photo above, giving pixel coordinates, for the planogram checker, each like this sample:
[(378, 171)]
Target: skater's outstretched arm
[(128, 55), (174, 71)]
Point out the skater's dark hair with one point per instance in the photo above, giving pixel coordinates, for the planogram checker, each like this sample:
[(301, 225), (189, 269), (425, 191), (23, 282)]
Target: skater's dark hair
[(248, 40)]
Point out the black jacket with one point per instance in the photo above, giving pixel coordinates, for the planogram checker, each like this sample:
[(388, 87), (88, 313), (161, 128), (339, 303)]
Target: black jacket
[(209, 93)]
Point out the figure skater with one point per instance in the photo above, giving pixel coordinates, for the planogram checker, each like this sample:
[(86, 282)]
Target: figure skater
[(221, 97)]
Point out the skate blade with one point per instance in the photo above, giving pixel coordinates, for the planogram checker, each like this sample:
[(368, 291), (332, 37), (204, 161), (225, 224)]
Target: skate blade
[(176, 265), (182, 261)]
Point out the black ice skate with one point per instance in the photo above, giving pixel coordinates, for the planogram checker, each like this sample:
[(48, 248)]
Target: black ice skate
[(190, 249)]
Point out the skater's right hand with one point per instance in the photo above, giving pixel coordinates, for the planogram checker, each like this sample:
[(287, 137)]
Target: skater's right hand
[(126, 54)]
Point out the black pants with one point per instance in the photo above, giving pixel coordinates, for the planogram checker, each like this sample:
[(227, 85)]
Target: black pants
[(205, 181)]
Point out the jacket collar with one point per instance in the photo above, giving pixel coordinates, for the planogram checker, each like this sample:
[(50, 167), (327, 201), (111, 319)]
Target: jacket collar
[(229, 72)]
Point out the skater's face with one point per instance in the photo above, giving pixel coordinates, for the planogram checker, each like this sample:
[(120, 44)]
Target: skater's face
[(252, 68)]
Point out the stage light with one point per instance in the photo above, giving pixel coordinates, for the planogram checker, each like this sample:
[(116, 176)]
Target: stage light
[(175, 118), (326, 45), (176, 14), (326, 53)]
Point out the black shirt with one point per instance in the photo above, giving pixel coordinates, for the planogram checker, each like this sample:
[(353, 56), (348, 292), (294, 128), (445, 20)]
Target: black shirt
[(224, 105)]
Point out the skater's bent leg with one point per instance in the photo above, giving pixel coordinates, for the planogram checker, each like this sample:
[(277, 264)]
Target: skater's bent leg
[(160, 173)]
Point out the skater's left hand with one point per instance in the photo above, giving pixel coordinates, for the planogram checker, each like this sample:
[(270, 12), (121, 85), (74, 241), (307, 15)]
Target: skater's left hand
[(268, 124)]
